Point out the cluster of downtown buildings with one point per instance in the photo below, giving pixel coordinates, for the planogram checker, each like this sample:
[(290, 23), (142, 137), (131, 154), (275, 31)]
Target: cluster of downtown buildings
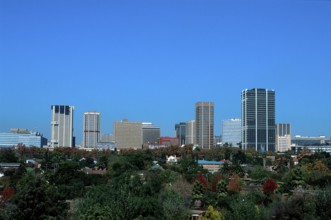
[(257, 129)]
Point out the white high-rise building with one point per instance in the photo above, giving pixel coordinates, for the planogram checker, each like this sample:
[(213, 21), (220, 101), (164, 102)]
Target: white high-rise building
[(62, 126), (231, 132), (91, 129), (283, 137)]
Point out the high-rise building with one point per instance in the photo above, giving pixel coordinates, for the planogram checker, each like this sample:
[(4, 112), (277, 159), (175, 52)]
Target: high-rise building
[(258, 119), (91, 129), (128, 134), (135, 134), (283, 137), (190, 132), (204, 113), (181, 132), (62, 126), (231, 132)]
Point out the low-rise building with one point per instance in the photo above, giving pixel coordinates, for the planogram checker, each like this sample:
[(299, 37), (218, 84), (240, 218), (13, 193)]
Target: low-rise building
[(22, 136)]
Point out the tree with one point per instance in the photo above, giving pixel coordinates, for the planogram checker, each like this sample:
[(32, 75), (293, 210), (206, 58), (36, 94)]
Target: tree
[(212, 214), (8, 156), (69, 179), (259, 173), (239, 157), (203, 180), (294, 178), (36, 199), (323, 203), (7, 193), (222, 190), (269, 186), (234, 183), (173, 205), (198, 190)]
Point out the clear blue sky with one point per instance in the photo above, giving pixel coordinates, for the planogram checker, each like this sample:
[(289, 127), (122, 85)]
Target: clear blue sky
[(151, 60)]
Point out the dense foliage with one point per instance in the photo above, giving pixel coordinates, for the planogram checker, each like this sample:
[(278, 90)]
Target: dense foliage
[(138, 184)]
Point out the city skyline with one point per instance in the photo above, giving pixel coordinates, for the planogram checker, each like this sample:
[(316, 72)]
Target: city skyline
[(151, 61)]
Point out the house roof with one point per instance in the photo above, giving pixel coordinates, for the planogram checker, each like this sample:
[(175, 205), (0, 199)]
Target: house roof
[(207, 162)]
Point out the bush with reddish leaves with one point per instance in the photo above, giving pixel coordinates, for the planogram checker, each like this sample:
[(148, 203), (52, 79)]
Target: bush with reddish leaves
[(235, 184), (203, 180), (215, 181), (269, 186), (7, 193)]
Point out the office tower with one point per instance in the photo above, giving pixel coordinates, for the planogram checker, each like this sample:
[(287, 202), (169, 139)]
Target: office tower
[(91, 129), (135, 134), (283, 137), (204, 113), (190, 132), (231, 132), (258, 119), (181, 133), (62, 126), (22, 136), (151, 134), (128, 134)]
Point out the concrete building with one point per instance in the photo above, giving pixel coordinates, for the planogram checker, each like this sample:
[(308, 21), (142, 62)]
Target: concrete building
[(91, 129), (135, 134), (22, 136), (283, 143), (190, 132), (128, 134), (283, 137), (258, 119), (181, 132), (231, 132), (204, 113), (62, 126)]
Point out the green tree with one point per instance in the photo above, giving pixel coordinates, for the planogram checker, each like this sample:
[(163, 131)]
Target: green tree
[(259, 173), (36, 199), (323, 204), (243, 209), (294, 178), (8, 156), (69, 179), (222, 190), (239, 157), (173, 205), (212, 214)]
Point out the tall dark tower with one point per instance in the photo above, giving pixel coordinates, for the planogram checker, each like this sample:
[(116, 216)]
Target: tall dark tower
[(181, 133), (258, 119)]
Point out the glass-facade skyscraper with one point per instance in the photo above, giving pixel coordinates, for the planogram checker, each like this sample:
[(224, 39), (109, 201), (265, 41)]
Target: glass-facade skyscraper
[(258, 119), (62, 126), (204, 113), (91, 129), (181, 132), (231, 132)]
